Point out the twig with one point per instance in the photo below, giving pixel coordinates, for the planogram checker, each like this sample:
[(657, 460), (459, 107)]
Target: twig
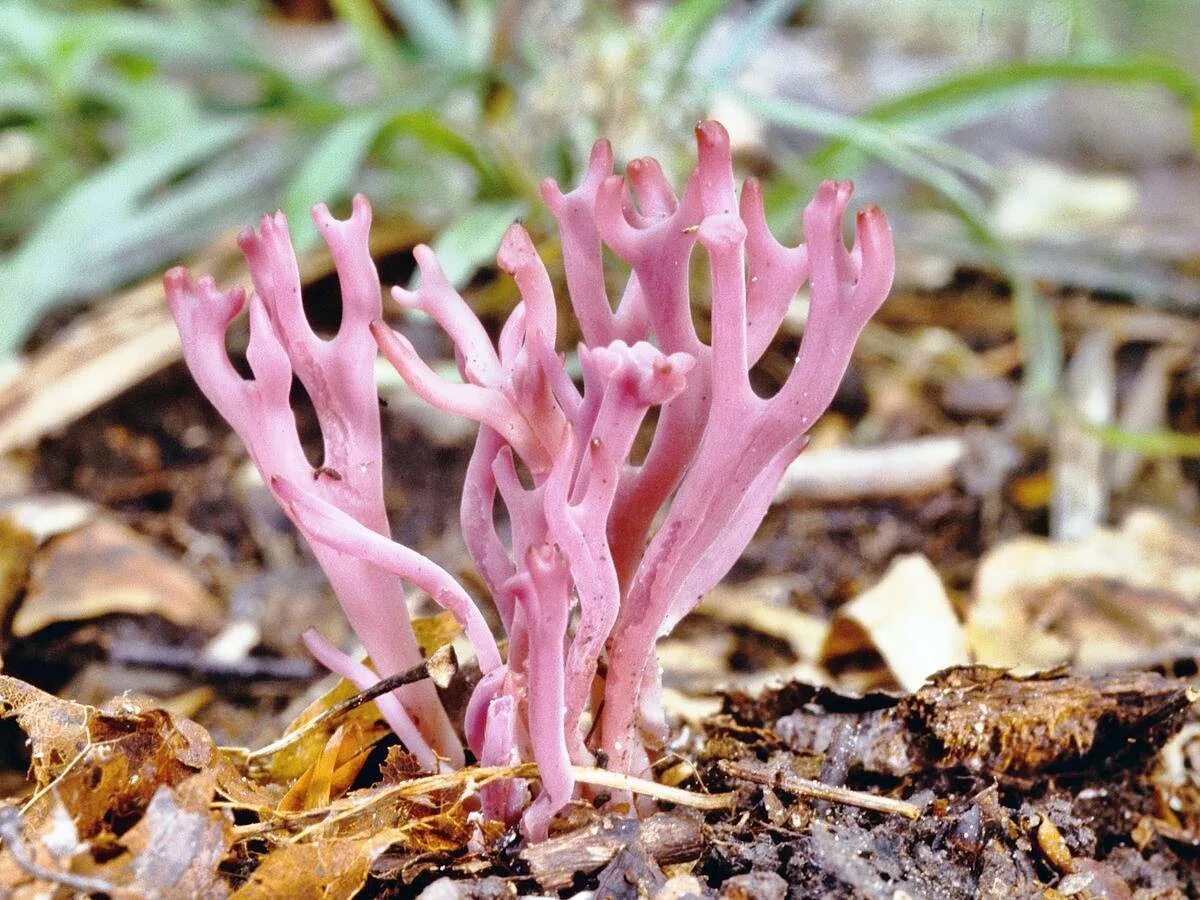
[(845, 474), (153, 656), (440, 666), (678, 796), (806, 787), (41, 792), (10, 834), (348, 807)]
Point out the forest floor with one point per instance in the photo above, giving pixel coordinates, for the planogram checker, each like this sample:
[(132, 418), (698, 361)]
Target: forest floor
[(959, 659), (156, 594)]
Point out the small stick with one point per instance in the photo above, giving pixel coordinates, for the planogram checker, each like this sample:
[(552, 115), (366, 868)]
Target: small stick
[(441, 667), (345, 808), (41, 792), (806, 787), (152, 656), (10, 834), (678, 796)]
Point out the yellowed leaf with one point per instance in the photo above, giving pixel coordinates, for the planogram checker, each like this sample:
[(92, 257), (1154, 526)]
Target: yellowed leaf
[(331, 869), (434, 632), (908, 618), (293, 760), (334, 770)]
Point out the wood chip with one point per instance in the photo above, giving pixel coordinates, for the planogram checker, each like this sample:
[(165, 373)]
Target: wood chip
[(1080, 501), (846, 474), (983, 720), (759, 773), (666, 837)]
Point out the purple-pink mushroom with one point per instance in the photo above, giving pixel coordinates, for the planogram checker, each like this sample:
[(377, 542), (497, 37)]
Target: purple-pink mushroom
[(601, 556)]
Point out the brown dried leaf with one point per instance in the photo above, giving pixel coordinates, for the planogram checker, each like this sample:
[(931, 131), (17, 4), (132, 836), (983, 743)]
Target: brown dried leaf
[(399, 766), (57, 729), (129, 786), (105, 766), (239, 789), (105, 567), (175, 849), (17, 548), (53, 847)]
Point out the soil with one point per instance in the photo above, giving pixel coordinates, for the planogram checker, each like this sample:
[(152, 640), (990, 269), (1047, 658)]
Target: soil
[(1055, 785)]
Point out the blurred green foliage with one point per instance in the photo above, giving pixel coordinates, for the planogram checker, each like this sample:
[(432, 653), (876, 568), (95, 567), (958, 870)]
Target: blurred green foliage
[(131, 134)]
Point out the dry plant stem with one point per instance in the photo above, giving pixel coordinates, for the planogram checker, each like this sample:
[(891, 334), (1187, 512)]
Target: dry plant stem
[(806, 787), (351, 806), (479, 777), (75, 760), (850, 474), (443, 660)]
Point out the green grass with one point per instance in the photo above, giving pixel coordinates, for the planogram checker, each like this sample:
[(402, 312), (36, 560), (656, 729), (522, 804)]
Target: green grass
[(904, 133), (151, 129)]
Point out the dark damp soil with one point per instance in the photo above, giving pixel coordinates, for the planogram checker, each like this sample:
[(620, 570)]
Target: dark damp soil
[(1010, 804)]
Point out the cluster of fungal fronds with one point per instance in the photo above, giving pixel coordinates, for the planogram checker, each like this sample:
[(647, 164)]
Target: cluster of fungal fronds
[(600, 557)]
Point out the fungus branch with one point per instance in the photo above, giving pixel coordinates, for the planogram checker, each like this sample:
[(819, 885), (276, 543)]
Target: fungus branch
[(623, 550)]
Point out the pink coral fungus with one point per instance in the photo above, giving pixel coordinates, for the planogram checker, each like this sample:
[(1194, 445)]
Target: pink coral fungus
[(601, 557)]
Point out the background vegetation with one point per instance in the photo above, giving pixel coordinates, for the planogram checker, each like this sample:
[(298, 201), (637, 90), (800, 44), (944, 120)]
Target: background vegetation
[(133, 133)]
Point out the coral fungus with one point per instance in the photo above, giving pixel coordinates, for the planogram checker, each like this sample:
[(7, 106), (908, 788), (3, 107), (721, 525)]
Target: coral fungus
[(600, 556)]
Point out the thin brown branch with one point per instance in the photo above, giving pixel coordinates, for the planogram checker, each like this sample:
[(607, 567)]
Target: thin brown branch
[(441, 667), (806, 787)]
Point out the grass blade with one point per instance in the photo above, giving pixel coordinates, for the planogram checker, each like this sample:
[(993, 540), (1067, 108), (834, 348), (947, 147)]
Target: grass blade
[(86, 222), (1149, 444), (378, 47), (748, 37), (1035, 326), (979, 93), (470, 242), (431, 28), (680, 32), (328, 173)]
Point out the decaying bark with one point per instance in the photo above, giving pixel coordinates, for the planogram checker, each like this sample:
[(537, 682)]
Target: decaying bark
[(980, 719)]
